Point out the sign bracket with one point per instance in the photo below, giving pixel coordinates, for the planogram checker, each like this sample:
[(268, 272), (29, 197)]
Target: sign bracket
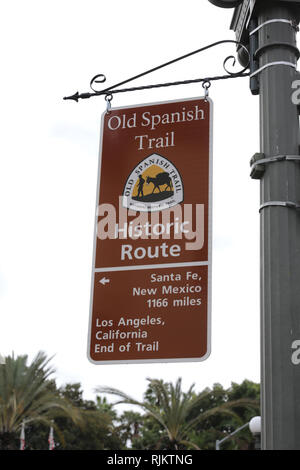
[(100, 78)]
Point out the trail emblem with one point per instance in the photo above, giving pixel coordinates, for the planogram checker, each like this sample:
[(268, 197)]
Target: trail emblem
[(154, 185)]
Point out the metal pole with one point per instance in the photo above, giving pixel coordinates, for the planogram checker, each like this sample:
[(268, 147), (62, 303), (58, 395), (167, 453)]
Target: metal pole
[(280, 231), (218, 443)]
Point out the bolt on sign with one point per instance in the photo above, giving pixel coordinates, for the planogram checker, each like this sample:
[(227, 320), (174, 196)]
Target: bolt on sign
[(151, 278)]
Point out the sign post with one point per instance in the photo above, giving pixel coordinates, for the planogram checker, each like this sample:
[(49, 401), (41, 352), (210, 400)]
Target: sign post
[(151, 279), (277, 167)]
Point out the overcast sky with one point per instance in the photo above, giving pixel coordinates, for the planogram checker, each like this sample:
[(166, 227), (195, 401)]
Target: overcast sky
[(49, 158)]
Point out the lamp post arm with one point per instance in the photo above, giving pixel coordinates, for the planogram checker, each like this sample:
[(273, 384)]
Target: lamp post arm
[(218, 443)]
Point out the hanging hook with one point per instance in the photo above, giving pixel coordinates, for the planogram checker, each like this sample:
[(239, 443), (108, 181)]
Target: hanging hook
[(108, 99), (206, 85)]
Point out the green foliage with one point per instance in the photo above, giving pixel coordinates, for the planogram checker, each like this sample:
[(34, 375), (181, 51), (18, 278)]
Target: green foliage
[(168, 417), (242, 400), (129, 428), (97, 431), (103, 405), (175, 419), (27, 395)]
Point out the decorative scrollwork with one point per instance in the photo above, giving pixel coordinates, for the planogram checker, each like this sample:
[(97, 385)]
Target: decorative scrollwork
[(231, 57), (100, 78)]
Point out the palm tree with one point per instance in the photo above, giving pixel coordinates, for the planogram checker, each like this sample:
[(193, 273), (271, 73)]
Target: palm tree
[(174, 409), (130, 424), (26, 396)]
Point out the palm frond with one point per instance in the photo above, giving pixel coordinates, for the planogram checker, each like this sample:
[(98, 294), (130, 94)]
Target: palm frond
[(25, 395)]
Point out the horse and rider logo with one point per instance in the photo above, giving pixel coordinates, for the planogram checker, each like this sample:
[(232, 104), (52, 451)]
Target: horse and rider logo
[(154, 185)]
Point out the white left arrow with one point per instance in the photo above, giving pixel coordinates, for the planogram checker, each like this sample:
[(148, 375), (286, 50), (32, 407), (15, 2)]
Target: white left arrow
[(104, 281)]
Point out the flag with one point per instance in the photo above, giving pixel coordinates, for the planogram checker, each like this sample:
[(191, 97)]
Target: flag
[(51, 439), (22, 437)]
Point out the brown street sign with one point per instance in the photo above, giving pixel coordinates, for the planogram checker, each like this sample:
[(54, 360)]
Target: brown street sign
[(151, 278)]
